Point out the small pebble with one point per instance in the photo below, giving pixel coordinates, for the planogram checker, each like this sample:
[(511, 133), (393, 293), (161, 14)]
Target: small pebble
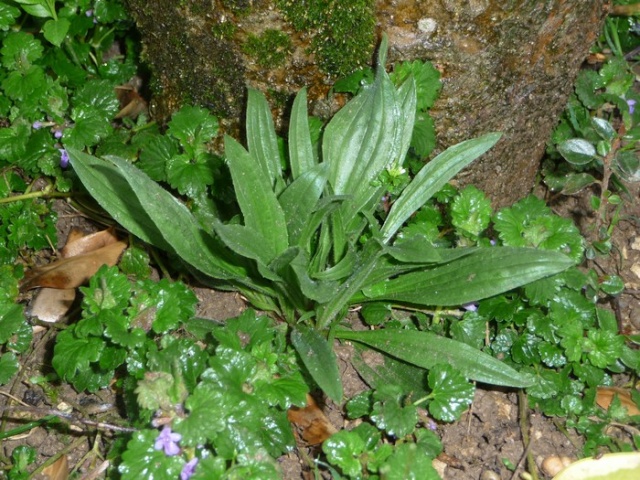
[(554, 464), (489, 475)]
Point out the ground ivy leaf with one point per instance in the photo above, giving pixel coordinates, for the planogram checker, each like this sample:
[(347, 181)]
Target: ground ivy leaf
[(210, 468), (360, 405), (451, 393), (153, 391), (524, 349), (530, 223), (470, 330), (156, 151), (117, 329), (175, 302), (206, 416), (19, 50), (408, 462), (343, 449), (10, 320), (72, 355), (56, 30), (108, 289), (471, 211), (231, 369), (429, 442), (8, 367), (135, 262), (286, 391), (603, 347), (21, 339), (551, 355), (254, 467), (181, 352), (188, 177), (192, 125), (142, 460), (8, 14), (392, 412)]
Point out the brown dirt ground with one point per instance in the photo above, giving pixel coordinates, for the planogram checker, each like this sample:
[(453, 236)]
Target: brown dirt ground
[(476, 447)]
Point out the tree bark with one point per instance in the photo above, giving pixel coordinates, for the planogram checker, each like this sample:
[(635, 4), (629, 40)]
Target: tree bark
[(507, 65)]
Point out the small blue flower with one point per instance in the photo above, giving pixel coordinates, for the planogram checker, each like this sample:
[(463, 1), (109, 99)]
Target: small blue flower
[(168, 441), (64, 158), (57, 134), (632, 105), (37, 125), (188, 469), (471, 307)]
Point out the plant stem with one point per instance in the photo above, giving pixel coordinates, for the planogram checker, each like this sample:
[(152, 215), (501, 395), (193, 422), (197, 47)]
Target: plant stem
[(46, 193)]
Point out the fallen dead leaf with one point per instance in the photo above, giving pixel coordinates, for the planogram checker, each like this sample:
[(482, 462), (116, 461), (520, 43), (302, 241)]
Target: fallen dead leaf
[(605, 395), (82, 256), (51, 304), (131, 103), (312, 423), (59, 470), (75, 271), (78, 243)]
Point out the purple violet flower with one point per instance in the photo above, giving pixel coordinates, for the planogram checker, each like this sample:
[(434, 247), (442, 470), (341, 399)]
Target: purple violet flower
[(471, 307), (37, 125), (632, 105), (57, 134), (188, 469), (168, 441), (89, 13), (64, 158)]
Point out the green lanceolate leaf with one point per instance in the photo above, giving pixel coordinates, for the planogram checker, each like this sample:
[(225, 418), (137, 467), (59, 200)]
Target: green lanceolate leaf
[(483, 273), (317, 355), (432, 178), (262, 140), (299, 200), (426, 349), (361, 271), (300, 147), (244, 241), (260, 208), (152, 213), (362, 140)]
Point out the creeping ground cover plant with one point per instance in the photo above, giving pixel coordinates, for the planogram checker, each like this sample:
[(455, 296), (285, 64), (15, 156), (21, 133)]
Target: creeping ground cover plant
[(311, 241)]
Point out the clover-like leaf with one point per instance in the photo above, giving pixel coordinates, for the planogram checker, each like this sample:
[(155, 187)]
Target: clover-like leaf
[(393, 411), (344, 449), (451, 393)]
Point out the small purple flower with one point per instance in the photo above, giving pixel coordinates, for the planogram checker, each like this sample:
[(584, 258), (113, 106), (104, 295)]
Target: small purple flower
[(168, 441), (632, 105), (89, 13), (37, 125), (57, 134), (64, 158), (188, 469), (471, 307)]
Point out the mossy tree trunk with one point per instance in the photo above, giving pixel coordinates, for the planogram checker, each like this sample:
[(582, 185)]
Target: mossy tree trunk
[(508, 65)]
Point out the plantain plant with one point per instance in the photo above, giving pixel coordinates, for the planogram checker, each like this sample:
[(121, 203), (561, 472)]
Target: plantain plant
[(311, 242)]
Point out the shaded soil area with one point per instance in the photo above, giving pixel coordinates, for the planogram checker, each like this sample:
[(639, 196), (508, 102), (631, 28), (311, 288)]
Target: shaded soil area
[(491, 440)]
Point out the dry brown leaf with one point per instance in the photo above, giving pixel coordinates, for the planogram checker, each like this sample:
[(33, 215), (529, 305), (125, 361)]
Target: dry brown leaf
[(75, 271), (312, 423), (604, 397), (51, 304), (79, 243), (59, 470), (131, 103)]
